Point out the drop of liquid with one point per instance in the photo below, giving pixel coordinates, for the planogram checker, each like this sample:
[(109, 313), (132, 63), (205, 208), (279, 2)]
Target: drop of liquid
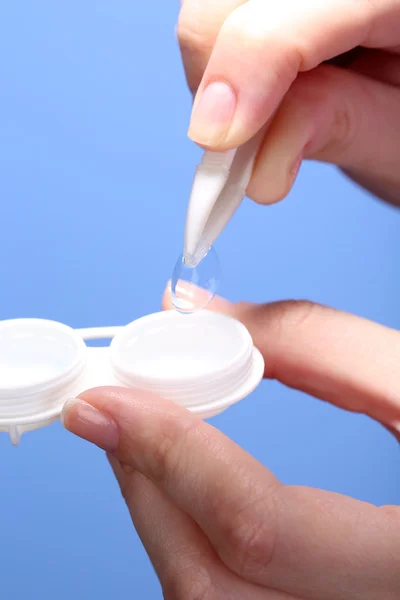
[(193, 288)]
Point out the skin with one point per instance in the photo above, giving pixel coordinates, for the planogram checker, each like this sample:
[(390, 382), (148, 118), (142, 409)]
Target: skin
[(216, 523), (273, 56), (219, 525)]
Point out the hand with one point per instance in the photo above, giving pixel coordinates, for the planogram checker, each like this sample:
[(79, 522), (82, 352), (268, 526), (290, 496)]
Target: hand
[(257, 61), (215, 522)]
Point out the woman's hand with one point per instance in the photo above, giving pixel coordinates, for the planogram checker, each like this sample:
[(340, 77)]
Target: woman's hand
[(257, 61), (215, 522)]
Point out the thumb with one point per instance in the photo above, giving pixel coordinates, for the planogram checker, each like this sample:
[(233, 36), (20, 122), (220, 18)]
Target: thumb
[(335, 116)]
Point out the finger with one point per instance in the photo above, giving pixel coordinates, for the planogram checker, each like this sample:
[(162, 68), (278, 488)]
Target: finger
[(380, 189), (262, 47), (384, 67), (346, 360), (171, 538), (335, 116), (377, 64), (204, 473), (301, 542), (198, 27), (183, 558)]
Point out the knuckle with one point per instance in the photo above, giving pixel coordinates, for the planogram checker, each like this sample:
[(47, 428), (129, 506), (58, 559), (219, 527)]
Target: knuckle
[(279, 53), (293, 315), (244, 27), (254, 37), (319, 95), (253, 549), (194, 36), (249, 536), (289, 319), (343, 130)]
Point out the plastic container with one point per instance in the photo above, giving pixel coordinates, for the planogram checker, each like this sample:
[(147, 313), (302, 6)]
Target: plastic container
[(205, 361)]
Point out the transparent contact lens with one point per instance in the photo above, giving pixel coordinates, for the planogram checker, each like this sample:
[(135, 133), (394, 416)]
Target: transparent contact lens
[(193, 288)]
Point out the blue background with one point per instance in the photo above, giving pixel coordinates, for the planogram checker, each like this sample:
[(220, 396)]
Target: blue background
[(95, 171)]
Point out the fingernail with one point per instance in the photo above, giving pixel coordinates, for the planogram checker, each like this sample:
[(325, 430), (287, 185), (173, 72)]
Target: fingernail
[(87, 422), (212, 114), (189, 296), (196, 295)]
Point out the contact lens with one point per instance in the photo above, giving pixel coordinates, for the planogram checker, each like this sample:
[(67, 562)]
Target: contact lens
[(193, 288)]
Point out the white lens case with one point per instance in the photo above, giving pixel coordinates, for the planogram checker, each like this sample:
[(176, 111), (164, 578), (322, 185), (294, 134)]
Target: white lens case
[(204, 361)]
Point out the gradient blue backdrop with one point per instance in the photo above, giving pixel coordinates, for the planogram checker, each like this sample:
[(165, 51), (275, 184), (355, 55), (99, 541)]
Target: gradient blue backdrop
[(95, 171)]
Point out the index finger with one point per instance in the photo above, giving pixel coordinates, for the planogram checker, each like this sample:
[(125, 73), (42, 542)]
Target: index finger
[(198, 27), (262, 46), (343, 359)]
